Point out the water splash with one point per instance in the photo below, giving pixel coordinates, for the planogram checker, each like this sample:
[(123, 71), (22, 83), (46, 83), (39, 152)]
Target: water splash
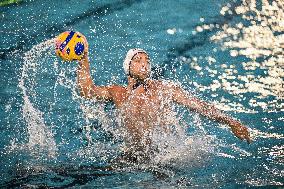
[(39, 134)]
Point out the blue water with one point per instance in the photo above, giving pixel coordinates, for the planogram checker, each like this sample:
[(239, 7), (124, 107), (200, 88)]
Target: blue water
[(48, 139)]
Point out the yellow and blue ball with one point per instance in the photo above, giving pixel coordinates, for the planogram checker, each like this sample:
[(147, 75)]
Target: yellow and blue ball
[(70, 45)]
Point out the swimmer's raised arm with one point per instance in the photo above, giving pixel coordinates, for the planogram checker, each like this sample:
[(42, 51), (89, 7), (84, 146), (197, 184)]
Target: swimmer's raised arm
[(86, 86), (210, 111)]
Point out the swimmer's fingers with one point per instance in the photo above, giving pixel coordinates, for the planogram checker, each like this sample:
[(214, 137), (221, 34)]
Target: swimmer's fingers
[(242, 133), (247, 137), (86, 50)]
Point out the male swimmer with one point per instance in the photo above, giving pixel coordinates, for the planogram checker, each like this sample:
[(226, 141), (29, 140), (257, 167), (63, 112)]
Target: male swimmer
[(142, 103)]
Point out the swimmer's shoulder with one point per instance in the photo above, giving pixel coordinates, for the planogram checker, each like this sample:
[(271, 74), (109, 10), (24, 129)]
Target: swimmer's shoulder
[(115, 89), (166, 85), (156, 83), (119, 93), (162, 83)]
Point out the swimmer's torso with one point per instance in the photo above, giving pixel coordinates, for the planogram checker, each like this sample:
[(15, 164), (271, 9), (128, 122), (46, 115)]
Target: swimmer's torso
[(143, 108)]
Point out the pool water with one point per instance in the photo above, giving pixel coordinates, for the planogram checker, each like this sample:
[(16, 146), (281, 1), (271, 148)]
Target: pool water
[(227, 52)]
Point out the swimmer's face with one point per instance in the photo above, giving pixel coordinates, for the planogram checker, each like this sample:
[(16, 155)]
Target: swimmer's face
[(140, 66)]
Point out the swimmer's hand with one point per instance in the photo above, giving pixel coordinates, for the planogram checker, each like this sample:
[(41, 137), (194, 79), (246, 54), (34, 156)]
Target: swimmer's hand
[(86, 50), (240, 131)]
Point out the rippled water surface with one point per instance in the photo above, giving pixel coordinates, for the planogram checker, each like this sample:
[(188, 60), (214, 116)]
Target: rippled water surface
[(227, 52)]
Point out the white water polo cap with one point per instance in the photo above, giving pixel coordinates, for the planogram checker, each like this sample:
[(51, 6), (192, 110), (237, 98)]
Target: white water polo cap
[(129, 56)]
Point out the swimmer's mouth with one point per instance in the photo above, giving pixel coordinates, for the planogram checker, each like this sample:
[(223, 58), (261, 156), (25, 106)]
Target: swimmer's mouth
[(144, 70)]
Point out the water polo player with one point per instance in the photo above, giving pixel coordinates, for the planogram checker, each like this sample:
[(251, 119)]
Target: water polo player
[(143, 102)]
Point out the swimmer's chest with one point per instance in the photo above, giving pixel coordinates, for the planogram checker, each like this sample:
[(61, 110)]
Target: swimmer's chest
[(141, 99)]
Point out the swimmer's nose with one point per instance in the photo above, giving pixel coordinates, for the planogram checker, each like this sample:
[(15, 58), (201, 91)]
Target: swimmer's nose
[(144, 66)]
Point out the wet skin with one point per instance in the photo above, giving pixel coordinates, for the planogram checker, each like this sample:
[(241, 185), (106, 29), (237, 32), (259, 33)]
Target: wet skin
[(141, 102)]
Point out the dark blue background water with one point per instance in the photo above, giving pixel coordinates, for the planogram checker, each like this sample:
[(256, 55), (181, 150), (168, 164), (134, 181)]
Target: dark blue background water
[(113, 27)]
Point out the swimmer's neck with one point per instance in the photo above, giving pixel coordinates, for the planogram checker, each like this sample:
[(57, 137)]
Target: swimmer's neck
[(134, 83)]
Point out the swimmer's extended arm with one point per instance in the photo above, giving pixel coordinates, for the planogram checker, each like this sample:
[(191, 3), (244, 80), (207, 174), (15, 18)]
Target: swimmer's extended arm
[(86, 86), (210, 111)]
